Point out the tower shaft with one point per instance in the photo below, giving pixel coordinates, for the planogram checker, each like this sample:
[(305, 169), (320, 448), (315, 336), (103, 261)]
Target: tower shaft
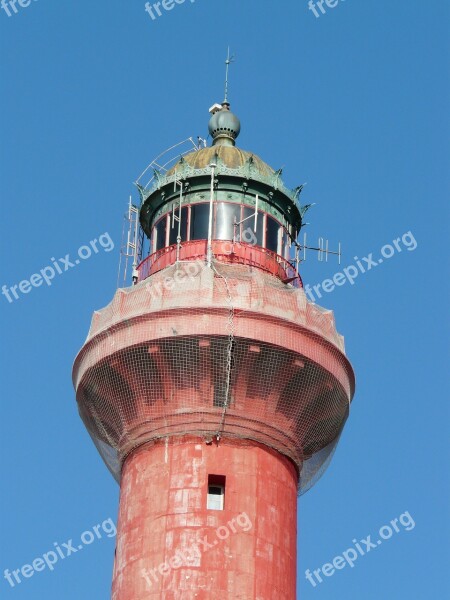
[(171, 545)]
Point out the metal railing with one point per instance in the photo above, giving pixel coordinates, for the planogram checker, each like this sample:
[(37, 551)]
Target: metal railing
[(223, 251)]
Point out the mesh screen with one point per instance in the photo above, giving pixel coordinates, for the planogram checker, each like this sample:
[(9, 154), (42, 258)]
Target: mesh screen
[(222, 352)]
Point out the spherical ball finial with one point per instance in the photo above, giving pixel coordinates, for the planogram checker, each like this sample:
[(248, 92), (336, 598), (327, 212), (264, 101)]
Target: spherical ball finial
[(224, 126)]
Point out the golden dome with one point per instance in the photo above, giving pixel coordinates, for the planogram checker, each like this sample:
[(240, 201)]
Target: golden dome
[(230, 156)]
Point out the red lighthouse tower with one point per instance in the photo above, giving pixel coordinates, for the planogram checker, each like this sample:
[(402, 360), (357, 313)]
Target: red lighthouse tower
[(213, 389)]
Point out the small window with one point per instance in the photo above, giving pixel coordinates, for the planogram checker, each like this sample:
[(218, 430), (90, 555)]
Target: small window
[(286, 246), (173, 232), (160, 230), (225, 216), (199, 221), (248, 235), (216, 492), (272, 235)]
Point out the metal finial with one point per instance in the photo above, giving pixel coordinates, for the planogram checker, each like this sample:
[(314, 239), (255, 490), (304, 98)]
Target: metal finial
[(229, 60)]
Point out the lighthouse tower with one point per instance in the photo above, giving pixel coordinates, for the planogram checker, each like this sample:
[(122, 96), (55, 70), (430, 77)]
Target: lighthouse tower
[(213, 389)]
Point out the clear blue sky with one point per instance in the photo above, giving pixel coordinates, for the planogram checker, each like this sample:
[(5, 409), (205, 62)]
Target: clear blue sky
[(354, 103)]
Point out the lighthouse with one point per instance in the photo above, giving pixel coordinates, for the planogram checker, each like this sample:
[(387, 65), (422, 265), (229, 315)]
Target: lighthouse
[(213, 389)]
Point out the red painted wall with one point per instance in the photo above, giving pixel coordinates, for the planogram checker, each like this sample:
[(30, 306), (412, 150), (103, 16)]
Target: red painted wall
[(171, 547)]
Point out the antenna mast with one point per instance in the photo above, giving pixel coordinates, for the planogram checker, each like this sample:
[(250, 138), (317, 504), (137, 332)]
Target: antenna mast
[(228, 61)]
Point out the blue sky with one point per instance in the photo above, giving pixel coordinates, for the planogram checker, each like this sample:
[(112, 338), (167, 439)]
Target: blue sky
[(354, 103)]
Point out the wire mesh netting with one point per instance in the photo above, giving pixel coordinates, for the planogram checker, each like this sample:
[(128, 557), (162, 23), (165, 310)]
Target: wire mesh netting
[(217, 352)]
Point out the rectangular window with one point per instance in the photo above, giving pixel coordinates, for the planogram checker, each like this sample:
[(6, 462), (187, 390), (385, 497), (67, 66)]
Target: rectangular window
[(173, 234), (216, 492), (161, 233), (280, 241), (199, 221), (286, 246), (248, 235), (225, 216), (272, 234)]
